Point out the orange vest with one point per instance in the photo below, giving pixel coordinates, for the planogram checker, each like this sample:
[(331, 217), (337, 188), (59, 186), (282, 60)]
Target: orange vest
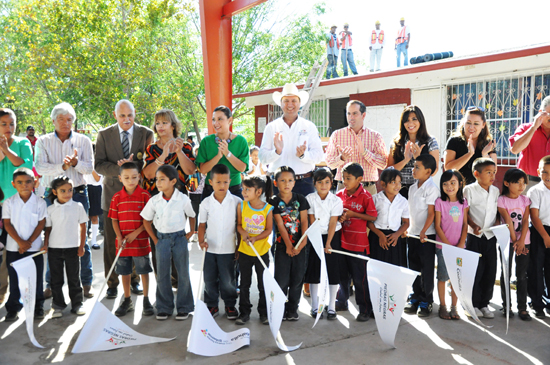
[(346, 40), (380, 37), (331, 42), (402, 36)]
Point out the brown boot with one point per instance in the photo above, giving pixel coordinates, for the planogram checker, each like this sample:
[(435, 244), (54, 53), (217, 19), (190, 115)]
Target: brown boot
[(88, 291), (47, 293)]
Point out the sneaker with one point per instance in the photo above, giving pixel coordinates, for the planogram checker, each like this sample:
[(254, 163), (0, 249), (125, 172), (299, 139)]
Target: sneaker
[(231, 313), (79, 311), (126, 306), (243, 318), (487, 313), (314, 312), (214, 311), (163, 316), (182, 316), (57, 313), (539, 313), (331, 315), (147, 307), (47, 293), (112, 293), (425, 309), (95, 246), (292, 316), (136, 289), (479, 313), (11, 317), (362, 317), (411, 307), (264, 319), (39, 313), (503, 311)]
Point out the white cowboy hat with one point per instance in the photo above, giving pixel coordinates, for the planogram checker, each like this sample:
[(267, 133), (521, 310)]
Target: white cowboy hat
[(291, 89)]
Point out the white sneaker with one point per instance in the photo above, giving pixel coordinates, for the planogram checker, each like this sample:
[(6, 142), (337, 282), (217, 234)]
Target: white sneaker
[(57, 313), (478, 313), (487, 313)]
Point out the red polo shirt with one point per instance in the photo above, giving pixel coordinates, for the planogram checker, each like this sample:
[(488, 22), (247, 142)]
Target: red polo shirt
[(126, 210), (538, 148), (354, 230)]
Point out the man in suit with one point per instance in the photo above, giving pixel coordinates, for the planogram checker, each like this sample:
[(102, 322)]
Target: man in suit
[(117, 144)]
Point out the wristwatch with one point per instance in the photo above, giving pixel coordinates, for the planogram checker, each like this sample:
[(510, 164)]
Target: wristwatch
[(302, 157), (229, 155)]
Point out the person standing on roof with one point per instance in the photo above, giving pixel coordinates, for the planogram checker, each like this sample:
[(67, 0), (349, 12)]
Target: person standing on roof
[(333, 45), (402, 43), (377, 42), (346, 53)]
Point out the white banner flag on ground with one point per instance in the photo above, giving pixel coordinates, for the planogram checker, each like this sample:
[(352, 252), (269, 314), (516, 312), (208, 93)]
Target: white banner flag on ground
[(104, 331), (206, 338), (502, 233), (316, 239), (26, 275), (389, 287)]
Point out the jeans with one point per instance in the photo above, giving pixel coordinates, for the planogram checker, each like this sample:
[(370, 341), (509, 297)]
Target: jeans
[(484, 282), (402, 48), (375, 58), (196, 202), (539, 270), (331, 68), (522, 265), (347, 55), (356, 269), (67, 258), (173, 245), (14, 301), (422, 258), (289, 274), (246, 263), (219, 278)]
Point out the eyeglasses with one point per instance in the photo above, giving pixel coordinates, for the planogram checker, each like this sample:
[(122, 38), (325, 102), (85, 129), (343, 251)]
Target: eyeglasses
[(475, 108)]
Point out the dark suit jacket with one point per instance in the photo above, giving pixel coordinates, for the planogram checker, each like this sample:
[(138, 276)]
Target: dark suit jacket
[(109, 151)]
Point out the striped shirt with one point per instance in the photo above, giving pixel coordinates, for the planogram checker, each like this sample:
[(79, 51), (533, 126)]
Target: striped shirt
[(126, 209), (50, 152), (369, 150)]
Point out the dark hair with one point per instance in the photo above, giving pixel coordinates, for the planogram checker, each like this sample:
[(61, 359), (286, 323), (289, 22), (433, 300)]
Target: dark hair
[(56, 184), (219, 169), (225, 110), (354, 169), (171, 173), (448, 175), (481, 163), (545, 161), (23, 171), (389, 175), (362, 107), (8, 111), (263, 183), (321, 174), (485, 135), (513, 176), (428, 161), (128, 166), (190, 137), (254, 148), (1, 194), (400, 139), (282, 169)]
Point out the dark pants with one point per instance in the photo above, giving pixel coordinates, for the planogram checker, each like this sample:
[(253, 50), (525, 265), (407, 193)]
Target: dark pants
[(289, 274), (219, 279), (67, 258), (356, 269), (195, 203), (539, 270), (14, 301), (486, 273), (246, 263), (422, 258), (522, 265), (393, 255), (109, 253), (208, 190), (332, 63)]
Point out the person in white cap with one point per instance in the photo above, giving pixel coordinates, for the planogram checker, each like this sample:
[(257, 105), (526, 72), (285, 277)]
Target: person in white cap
[(346, 53), (402, 43), (377, 42), (291, 140)]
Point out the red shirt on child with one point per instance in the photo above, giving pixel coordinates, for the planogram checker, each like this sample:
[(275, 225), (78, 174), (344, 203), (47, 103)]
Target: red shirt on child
[(126, 210), (354, 230)]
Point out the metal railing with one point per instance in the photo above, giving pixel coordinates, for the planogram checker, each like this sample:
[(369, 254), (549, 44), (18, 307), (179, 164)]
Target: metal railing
[(318, 114)]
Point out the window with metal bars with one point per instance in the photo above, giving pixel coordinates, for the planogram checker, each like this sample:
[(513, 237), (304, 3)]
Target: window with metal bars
[(318, 114)]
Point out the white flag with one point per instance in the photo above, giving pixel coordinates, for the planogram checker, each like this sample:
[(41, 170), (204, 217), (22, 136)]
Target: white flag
[(26, 275), (206, 338), (316, 239), (104, 331), (389, 287), (502, 233)]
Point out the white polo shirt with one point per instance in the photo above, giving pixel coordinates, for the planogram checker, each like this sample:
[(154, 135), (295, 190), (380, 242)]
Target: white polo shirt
[(483, 207), (332, 206), (65, 220), (24, 217), (221, 220), (168, 216), (390, 213), (540, 199), (419, 200)]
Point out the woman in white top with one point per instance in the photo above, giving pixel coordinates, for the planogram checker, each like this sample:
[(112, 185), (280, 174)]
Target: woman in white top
[(256, 166)]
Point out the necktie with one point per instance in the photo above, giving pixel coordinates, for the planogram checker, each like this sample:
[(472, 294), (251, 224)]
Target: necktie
[(125, 144)]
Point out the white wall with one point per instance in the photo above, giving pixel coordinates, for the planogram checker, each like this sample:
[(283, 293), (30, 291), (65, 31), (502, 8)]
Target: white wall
[(384, 120)]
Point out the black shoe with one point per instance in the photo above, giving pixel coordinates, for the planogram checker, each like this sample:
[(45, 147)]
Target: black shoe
[(341, 307), (231, 313), (425, 309), (539, 313), (524, 316), (243, 318), (11, 317), (112, 293), (331, 315), (136, 289), (214, 311), (264, 319), (411, 307), (126, 306), (95, 246), (314, 312), (163, 316), (362, 317), (292, 316), (503, 311), (147, 307), (39, 313), (182, 316)]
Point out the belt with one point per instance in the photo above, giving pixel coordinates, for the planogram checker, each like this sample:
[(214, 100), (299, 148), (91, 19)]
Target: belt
[(303, 176), (80, 189), (534, 178), (369, 183)]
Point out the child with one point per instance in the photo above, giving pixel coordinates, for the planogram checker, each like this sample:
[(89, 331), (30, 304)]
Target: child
[(451, 227), (422, 196), (254, 224), (24, 216), (256, 167), (64, 240), (195, 186), (392, 221), (513, 209), (539, 270), (290, 212), (124, 212), (358, 209), (327, 207), (169, 210), (218, 219), (482, 197)]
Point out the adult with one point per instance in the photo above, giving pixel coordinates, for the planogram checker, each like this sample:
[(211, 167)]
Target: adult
[(66, 152), (223, 147), (402, 43), (31, 137), (357, 143), (377, 42), (346, 53), (471, 140), (292, 140), (532, 142), (412, 141), (121, 142), (333, 45)]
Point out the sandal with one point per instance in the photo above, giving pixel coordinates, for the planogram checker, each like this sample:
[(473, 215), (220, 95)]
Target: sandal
[(443, 313), (454, 313)]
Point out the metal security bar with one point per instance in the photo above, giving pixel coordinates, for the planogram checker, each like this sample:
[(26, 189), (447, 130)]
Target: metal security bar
[(318, 114)]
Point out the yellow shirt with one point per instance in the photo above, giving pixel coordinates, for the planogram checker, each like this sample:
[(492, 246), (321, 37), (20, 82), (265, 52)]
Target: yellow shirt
[(254, 222)]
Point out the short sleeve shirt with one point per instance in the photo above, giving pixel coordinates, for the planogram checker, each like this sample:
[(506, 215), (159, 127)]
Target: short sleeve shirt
[(169, 216), (290, 214), (354, 230), (538, 148), (221, 222), (22, 148), (452, 219), (391, 213), (323, 210), (420, 198), (460, 146), (540, 199), (65, 220), (24, 216), (516, 210), (483, 207)]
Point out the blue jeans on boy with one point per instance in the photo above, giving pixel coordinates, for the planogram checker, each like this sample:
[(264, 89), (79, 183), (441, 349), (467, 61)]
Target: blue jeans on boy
[(219, 279), (331, 68), (402, 48), (173, 245), (347, 55), (14, 301)]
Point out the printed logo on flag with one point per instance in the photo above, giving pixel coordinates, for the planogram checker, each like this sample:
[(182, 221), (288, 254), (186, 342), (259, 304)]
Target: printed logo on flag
[(118, 336), (459, 261), (272, 296), (204, 332), (391, 303), (387, 302), (115, 341), (220, 341)]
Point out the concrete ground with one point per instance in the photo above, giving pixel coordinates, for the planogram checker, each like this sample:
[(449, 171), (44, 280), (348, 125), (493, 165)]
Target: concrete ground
[(418, 341)]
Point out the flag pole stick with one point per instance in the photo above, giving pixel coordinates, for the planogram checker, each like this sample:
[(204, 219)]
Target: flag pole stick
[(33, 255), (122, 246), (429, 240), (201, 277), (361, 257), (305, 234), (258, 255), (490, 228)]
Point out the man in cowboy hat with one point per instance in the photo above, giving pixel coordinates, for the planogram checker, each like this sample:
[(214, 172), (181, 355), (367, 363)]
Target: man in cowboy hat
[(291, 140)]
